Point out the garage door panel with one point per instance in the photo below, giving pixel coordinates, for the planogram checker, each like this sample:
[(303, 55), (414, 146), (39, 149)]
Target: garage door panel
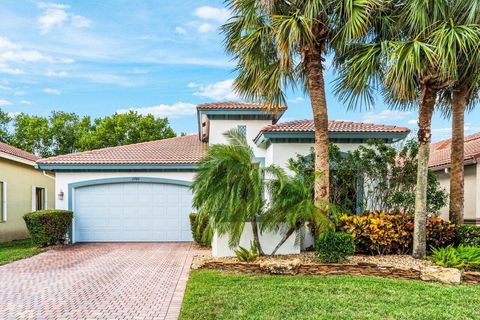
[(132, 212)]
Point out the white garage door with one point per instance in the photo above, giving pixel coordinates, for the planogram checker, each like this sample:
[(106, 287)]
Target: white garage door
[(132, 212)]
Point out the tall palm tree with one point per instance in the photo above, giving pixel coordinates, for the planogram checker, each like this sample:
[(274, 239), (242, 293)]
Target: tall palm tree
[(404, 58), (229, 188), (279, 44), (462, 96)]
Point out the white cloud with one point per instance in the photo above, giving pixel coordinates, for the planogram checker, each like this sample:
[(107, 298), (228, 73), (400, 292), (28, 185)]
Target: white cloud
[(205, 27), (413, 121), (7, 70), (222, 90), (51, 73), (105, 78), (13, 114), (296, 100), (4, 103), (211, 13), (444, 133), (56, 15), (140, 71), (25, 102), (193, 85), (6, 44), (180, 31), (176, 110), (51, 91), (386, 116), (5, 88)]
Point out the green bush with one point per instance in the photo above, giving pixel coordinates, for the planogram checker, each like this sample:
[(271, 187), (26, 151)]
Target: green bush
[(463, 257), (245, 255), (202, 232), (48, 227), (468, 235), (335, 247), (392, 233)]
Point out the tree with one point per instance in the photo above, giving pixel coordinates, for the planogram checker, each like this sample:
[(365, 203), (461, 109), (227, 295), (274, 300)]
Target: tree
[(32, 134), (5, 120), (229, 188), (283, 43), (403, 55), (67, 131)]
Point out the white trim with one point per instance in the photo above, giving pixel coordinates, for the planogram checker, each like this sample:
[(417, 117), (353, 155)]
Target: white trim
[(4, 201), (34, 197), (45, 199), (34, 203), (16, 159)]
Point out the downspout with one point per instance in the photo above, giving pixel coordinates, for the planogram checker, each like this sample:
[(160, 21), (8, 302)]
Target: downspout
[(47, 175)]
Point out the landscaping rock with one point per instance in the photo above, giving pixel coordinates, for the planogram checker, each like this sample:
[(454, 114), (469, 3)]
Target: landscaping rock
[(440, 274), (281, 267)]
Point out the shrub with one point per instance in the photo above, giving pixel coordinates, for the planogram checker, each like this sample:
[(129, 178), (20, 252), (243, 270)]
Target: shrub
[(463, 257), (335, 247), (468, 235), (245, 255), (392, 233), (202, 232), (48, 227)]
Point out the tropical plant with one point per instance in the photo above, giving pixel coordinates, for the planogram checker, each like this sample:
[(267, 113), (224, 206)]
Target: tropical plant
[(229, 187), (334, 247), (283, 43), (462, 257), (247, 255), (468, 235), (202, 231), (403, 55), (48, 227)]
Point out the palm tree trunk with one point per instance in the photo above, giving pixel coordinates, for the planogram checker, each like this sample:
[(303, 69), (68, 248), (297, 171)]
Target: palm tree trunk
[(285, 238), (460, 99), (427, 104), (256, 236), (316, 85)]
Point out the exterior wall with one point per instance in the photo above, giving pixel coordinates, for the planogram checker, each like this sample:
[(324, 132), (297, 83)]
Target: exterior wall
[(20, 179), (472, 190), (268, 240), (63, 179)]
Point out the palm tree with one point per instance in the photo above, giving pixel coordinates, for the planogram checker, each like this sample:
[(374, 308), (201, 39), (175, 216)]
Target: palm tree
[(463, 95), (404, 58), (229, 188), (283, 43)]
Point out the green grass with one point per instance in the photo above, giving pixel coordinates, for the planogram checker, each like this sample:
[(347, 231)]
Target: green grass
[(216, 295), (16, 250)]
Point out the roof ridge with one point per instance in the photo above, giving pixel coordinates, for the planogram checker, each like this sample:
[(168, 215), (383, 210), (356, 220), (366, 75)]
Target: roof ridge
[(18, 152)]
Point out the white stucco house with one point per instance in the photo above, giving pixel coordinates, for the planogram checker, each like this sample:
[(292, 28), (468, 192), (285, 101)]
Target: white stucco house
[(440, 162), (141, 192)]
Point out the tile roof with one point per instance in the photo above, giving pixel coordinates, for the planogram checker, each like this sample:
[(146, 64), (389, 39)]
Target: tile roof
[(333, 126), (6, 148), (178, 150), (235, 105), (440, 151)]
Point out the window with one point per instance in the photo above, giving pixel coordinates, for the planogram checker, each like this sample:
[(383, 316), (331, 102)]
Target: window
[(242, 130), (39, 199), (3, 201)]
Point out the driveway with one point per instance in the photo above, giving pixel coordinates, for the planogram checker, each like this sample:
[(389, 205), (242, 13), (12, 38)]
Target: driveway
[(97, 281)]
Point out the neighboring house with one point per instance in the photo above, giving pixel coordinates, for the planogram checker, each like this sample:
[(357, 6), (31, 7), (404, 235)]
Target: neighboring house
[(23, 188), (440, 164), (141, 192)]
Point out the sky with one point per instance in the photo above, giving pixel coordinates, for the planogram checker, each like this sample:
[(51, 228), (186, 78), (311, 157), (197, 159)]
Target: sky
[(161, 57)]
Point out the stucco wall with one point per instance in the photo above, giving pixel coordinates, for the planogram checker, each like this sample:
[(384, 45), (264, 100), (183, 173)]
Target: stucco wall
[(472, 189), (20, 179)]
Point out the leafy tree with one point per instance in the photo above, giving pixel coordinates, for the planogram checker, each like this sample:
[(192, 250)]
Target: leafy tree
[(67, 131), (5, 120), (402, 55), (32, 134), (229, 188), (283, 43)]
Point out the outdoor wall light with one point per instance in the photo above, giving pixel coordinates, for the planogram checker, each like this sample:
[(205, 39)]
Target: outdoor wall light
[(60, 195)]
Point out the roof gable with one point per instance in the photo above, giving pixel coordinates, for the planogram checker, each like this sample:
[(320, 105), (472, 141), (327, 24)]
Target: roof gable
[(440, 152), (16, 152)]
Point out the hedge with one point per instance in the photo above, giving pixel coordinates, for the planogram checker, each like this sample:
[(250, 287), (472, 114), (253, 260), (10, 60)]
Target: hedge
[(333, 247), (202, 232), (48, 227), (468, 235)]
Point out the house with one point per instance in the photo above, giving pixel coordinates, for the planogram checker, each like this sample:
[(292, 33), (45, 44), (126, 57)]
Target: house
[(141, 192), (23, 188), (440, 164)]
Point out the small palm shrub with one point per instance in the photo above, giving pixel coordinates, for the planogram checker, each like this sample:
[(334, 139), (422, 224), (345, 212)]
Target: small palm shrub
[(48, 227), (468, 235), (202, 231), (245, 255), (463, 257), (333, 247), (392, 233)]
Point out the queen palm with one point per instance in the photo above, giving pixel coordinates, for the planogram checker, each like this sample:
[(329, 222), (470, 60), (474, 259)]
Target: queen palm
[(281, 44), (404, 57)]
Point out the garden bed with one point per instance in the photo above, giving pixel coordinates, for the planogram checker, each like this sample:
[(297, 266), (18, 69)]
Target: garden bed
[(389, 266)]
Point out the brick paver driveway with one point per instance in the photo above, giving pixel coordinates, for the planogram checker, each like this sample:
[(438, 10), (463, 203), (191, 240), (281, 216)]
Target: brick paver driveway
[(97, 281)]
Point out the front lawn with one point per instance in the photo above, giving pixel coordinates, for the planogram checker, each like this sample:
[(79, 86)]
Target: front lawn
[(16, 250), (216, 295)]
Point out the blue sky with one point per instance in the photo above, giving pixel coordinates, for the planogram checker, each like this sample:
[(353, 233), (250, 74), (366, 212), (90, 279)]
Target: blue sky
[(160, 57)]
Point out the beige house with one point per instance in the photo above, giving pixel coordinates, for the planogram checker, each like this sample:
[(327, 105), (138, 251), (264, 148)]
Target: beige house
[(23, 188), (440, 164)]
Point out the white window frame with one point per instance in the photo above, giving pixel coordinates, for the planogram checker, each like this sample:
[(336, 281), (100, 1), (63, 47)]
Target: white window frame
[(4, 201), (34, 197)]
